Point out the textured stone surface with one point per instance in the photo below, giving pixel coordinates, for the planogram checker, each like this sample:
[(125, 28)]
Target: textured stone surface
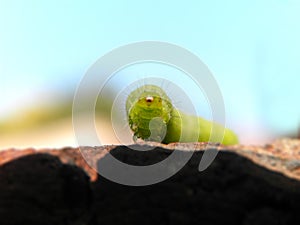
[(244, 185)]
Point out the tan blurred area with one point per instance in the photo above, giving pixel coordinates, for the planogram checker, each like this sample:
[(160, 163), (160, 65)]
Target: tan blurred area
[(53, 135), (49, 127)]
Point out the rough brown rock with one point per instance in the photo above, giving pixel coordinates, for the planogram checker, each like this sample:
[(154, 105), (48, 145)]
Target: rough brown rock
[(244, 185)]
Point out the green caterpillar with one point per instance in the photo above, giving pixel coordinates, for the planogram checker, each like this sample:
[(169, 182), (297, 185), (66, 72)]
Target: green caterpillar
[(152, 117)]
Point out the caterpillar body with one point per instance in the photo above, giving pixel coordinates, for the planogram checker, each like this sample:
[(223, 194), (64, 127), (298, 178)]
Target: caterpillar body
[(152, 117)]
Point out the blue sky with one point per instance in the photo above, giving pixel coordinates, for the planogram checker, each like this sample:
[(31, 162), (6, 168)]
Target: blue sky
[(251, 47)]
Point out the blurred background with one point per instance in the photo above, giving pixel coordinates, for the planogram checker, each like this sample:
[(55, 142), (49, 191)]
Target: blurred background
[(251, 47)]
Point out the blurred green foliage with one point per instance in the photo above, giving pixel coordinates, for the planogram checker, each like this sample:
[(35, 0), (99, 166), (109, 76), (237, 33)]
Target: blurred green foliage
[(43, 115)]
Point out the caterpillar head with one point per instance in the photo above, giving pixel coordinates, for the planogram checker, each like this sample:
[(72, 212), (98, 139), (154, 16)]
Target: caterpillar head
[(149, 111)]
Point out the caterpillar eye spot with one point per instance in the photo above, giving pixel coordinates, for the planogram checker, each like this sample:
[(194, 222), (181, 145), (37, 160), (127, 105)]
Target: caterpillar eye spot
[(149, 99)]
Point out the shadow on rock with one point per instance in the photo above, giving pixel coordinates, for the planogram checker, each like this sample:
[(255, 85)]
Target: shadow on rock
[(39, 189), (233, 190)]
